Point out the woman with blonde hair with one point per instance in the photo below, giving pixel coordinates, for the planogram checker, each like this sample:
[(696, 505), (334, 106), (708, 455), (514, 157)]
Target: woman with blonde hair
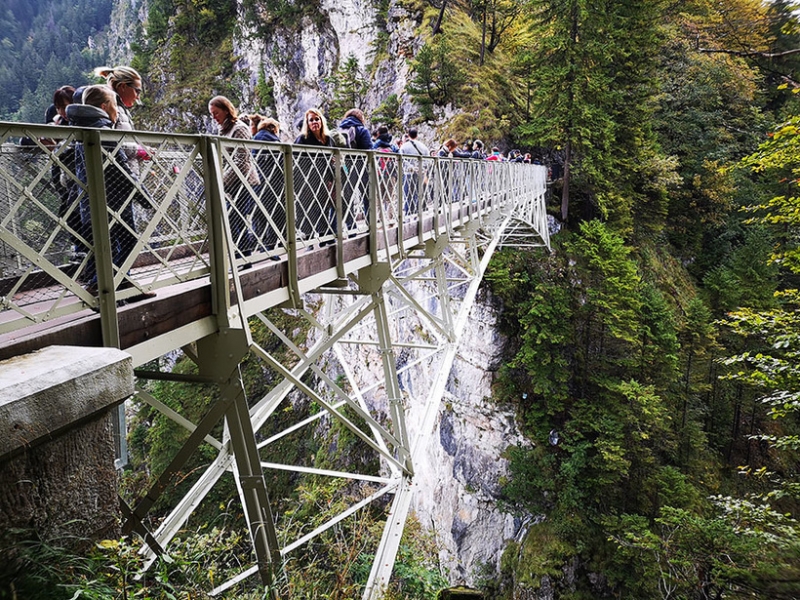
[(127, 85), (314, 176), (240, 201), (314, 131)]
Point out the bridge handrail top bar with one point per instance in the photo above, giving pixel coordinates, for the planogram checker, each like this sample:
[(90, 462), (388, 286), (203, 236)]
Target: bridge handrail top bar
[(60, 132)]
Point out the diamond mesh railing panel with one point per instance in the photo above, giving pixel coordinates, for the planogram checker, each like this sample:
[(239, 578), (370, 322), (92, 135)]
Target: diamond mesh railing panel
[(389, 185), (154, 200), (314, 177), (355, 192), (155, 194), (154, 197)]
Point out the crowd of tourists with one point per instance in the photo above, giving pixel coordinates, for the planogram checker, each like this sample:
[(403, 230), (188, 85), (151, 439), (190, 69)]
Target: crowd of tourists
[(250, 184)]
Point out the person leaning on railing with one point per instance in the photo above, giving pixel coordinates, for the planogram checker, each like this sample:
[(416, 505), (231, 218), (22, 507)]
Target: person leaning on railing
[(64, 185), (240, 200), (127, 85), (269, 219), (99, 110)]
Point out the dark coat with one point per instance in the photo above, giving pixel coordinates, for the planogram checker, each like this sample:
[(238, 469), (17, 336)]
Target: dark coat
[(363, 140), (265, 135), (385, 141), (121, 192), (312, 141)]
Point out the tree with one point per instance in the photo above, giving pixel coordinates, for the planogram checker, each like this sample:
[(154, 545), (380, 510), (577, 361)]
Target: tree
[(388, 113), (265, 89), (592, 97), (437, 79), (350, 87), (495, 18)]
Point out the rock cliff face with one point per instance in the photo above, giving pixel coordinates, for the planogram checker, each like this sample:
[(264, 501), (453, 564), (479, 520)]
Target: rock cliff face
[(299, 60), (457, 482), (458, 479)]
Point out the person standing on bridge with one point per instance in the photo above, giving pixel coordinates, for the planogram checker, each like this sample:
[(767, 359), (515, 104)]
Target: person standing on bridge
[(127, 85), (99, 110), (314, 176), (239, 199), (411, 171), (355, 167), (269, 217)]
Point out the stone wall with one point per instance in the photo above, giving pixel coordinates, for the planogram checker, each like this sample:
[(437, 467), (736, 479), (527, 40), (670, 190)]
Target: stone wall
[(58, 482)]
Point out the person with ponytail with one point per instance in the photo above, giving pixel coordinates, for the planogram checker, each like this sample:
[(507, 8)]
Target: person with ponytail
[(127, 85)]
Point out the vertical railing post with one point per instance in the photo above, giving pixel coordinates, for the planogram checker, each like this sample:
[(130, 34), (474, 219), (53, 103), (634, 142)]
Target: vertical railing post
[(420, 180), (216, 215), (373, 208), (401, 214), (101, 238), (339, 211), (291, 225), (104, 270), (338, 200), (435, 195)]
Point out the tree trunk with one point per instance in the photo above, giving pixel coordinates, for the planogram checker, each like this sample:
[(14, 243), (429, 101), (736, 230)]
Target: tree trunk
[(437, 27), (569, 128), (493, 36), (483, 35)]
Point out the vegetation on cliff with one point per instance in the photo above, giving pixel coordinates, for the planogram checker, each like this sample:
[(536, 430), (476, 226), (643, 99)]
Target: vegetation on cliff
[(652, 356)]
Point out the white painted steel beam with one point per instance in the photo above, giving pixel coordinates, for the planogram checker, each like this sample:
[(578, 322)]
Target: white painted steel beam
[(431, 276)]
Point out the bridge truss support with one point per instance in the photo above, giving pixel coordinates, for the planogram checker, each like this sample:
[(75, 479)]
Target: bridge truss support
[(357, 354), (374, 355)]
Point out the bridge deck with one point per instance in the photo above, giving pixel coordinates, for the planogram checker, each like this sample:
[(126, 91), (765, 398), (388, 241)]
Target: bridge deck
[(183, 312)]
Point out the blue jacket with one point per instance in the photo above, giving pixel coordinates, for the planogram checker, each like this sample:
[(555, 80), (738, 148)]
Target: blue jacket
[(263, 135), (363, 140), (385, 141)]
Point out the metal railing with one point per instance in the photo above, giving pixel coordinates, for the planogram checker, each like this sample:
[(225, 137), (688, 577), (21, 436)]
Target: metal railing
[(94, 218)]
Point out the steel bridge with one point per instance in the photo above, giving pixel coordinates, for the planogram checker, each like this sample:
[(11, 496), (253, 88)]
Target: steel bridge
[(349, 242)]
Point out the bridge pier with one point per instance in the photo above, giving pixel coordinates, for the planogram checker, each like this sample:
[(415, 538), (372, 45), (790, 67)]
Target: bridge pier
[(58, 481)]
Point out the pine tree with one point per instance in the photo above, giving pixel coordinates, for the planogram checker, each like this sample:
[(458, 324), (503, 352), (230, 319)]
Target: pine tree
[(350, 87), (591, 98), (437, 79)]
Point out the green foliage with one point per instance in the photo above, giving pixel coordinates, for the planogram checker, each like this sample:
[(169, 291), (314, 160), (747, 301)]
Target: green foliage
[(590, 96), (265, 90), (46, 45), (111, 569), (188, 48), (437, 78), (388, 113), (741, 550), (417, 574), (350, 87), (747, 277), (266, 15)]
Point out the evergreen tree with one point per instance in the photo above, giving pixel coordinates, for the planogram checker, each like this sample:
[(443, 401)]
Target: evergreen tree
[(591, 97), (46, 45), (437, 79), (350, 87), (388, 113)]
